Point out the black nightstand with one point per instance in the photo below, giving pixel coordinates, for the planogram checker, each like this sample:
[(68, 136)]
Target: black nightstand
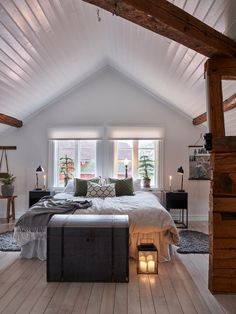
[(178, 200), (36, 195)]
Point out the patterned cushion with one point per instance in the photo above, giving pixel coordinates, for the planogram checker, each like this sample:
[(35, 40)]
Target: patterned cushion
[(81, 186), (96, 190), (123, 187)]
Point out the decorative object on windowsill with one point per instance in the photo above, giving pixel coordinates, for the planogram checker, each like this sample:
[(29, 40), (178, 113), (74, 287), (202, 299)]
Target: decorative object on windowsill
[(38, 170), (199, 161), (146, 169), (147, 259), (180, 170), (170, 181), (66, 168), (126, 162), (7, 187)]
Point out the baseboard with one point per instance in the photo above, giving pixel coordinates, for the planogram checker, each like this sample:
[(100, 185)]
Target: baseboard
[(192, 217), (198, 217)]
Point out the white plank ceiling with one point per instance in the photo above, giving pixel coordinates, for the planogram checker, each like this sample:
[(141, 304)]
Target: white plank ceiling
[(49, 46)]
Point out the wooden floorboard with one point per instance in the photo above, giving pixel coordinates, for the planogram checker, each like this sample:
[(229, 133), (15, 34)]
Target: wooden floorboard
[(180, 287)]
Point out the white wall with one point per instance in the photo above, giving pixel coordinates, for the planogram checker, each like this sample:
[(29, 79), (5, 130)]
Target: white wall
[(107, 98)]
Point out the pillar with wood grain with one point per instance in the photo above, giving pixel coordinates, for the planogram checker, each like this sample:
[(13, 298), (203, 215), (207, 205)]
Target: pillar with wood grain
[(222, 214)]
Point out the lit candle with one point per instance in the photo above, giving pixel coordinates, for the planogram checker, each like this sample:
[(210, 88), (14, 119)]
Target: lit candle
[(143, 266), (44, 181), (149, 258), (142, 258), (151, 266), (170, 179)]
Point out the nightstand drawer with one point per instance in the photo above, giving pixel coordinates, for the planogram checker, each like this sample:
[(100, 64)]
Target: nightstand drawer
[(176, 200)]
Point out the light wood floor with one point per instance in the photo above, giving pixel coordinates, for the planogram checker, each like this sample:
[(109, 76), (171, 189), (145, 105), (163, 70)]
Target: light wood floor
[(180, 287)]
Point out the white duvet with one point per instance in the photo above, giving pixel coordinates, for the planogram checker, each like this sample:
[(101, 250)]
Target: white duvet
[(148, 219), (145, 212)]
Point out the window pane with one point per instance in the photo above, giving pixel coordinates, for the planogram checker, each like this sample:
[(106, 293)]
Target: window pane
[(74, 158), (147, 144), (65, 161), (124, 152), (87, 159), (148, 148)]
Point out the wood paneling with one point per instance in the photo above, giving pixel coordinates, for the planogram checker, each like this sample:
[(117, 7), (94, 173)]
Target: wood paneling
[(222, 215)]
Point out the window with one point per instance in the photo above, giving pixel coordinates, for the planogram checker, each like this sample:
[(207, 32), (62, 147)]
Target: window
[(132, 150), (75, 158)]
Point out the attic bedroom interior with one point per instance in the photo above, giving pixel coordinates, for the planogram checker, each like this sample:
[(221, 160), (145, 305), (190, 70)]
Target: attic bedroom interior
[(117, 156)]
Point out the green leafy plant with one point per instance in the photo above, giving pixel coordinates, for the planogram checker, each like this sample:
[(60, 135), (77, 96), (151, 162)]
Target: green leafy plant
[(146, 167), (8, 179), (67, 168)]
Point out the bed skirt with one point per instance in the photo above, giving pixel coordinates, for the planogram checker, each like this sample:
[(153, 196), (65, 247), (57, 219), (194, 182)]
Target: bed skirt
[(38, 248)]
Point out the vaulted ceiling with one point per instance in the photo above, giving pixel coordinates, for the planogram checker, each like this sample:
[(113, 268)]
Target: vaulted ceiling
[(49, 46)]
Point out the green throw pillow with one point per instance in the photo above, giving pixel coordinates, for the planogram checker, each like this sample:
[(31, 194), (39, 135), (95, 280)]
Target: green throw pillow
[(81, 186), (123, 187)]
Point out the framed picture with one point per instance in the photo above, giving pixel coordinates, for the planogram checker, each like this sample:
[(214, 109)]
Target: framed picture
[(199, 163)]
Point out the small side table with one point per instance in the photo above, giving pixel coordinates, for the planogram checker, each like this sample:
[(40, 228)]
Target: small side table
[(36, 195), (178, 200), (10, 206)]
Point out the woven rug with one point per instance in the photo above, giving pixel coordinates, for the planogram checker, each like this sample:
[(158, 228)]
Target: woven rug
[(193, 242), (7, 243)]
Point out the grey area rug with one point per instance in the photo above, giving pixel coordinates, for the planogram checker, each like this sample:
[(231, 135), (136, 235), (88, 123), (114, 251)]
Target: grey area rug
[(7, 243), (193, 242)]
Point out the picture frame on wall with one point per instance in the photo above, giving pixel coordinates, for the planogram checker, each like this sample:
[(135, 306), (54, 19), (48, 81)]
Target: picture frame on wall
[(199, 163)]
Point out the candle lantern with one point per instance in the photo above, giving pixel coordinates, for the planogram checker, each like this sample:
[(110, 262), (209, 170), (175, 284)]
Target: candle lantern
[(147, 259)]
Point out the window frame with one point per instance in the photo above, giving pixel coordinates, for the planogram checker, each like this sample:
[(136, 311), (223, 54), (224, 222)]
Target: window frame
[(158, 183)]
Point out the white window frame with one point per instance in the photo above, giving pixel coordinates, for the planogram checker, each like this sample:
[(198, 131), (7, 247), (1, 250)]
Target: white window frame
[(53, 151), (158, 183)]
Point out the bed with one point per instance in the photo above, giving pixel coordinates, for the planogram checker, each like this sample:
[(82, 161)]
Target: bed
[(148, 221)]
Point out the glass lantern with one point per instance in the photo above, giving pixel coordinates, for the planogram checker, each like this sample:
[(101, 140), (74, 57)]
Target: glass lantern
[(147, 259)]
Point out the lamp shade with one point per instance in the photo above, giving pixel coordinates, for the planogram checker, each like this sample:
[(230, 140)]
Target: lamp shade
[(40, 169), (180, 170)]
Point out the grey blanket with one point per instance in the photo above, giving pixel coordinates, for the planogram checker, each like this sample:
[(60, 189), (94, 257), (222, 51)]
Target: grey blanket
[(38, 216)]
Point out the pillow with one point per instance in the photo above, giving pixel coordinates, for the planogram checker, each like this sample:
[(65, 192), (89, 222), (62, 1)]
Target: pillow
[(137, 185), (81, 185), (69, 188), (123, 187), (96, 190)]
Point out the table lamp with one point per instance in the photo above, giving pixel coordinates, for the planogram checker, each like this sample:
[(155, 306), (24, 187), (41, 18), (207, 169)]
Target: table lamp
[(180, 170), (38, 170)]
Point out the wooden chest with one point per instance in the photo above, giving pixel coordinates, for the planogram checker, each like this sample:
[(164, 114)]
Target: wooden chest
[(91, 248)]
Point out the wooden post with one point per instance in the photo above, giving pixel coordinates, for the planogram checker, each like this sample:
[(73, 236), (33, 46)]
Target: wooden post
[(222, 214)]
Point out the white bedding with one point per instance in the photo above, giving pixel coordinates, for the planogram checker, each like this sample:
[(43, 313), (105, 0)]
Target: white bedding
[(147, 219)]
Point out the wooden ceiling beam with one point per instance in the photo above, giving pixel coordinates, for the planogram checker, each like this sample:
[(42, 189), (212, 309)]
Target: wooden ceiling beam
[(166, 19), (228, 104), (10, 121)]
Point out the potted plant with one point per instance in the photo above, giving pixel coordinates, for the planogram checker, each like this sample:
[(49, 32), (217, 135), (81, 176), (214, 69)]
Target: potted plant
[(7, 187), (67, 168), (146, 169)]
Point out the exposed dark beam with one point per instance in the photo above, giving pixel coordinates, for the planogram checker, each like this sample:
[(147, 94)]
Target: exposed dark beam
[(10, 121), (166, 19), (7, 147), (228, 104)]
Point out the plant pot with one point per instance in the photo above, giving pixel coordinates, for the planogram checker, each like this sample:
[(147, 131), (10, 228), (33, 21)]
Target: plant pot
[(7, 189), (146, 183)]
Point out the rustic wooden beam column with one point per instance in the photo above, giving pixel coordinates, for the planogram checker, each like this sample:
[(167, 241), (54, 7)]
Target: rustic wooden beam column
[(222, 213)]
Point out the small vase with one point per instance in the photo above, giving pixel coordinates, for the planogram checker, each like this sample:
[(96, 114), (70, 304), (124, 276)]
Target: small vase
[(146, 183), (7, 190)]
